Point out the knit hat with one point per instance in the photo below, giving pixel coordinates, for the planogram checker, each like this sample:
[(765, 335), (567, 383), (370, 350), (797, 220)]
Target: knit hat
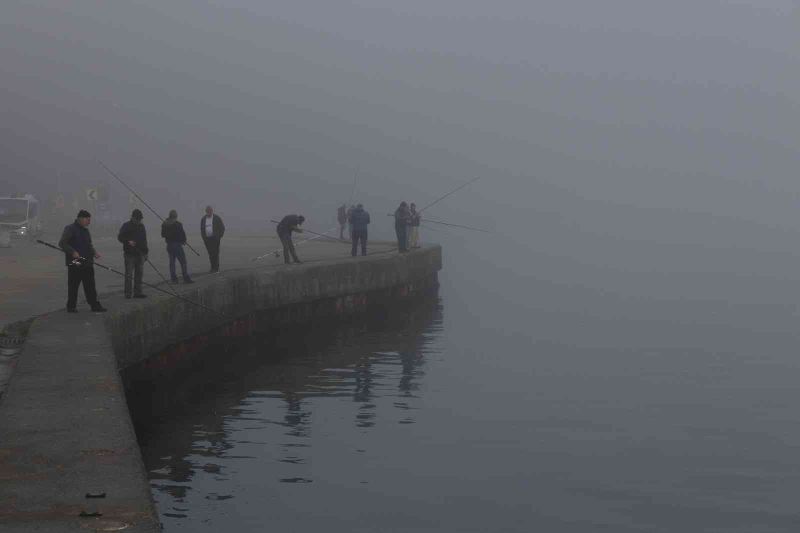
[(137, 214), (83, 213)]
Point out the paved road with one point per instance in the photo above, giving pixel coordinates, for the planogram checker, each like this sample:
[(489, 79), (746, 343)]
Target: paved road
[(33, 280)]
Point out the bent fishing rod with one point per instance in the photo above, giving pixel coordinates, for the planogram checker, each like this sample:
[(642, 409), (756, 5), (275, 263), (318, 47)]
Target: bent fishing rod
[(140, 199), (105, 267)]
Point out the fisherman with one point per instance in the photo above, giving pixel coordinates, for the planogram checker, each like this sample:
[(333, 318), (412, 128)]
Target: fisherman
[(79, 255), (359, 220), (173, 233), (133, 237), (286, 226), (341, 216), (413, 227), (402, 217), (212, 229)]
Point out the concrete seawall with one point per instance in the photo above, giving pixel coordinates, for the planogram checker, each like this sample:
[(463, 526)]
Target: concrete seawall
[(67, 446)]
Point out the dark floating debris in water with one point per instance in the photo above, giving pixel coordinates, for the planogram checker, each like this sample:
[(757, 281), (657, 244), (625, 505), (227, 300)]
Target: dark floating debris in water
[(212, 468), (296, 480), (219, 497)]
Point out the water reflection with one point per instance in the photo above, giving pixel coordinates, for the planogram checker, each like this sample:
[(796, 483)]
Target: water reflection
[(268, 409)]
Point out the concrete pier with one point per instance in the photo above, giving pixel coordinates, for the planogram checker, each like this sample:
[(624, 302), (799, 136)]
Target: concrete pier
[(69, 460)]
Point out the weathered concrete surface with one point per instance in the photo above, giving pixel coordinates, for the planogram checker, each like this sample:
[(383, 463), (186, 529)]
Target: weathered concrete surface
[(34, 280), (65, 431), (140, 330), (64, 426)]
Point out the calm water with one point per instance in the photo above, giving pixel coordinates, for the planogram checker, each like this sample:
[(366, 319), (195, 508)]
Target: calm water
[(657, 392)]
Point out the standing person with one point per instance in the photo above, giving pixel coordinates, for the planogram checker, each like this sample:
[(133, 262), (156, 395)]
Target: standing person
[(401, 218), (79, 256), (212, 229), (173, 233), (359, 219), (133, 237), (413, 227), (341, 216), (349, 225), (286, 226)]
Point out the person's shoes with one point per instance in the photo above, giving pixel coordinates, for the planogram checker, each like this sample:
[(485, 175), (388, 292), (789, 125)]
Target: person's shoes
[(140, 296), (298, 262), (127, 296), (71, 310), (99, 309), (174, 280), (188, 280)]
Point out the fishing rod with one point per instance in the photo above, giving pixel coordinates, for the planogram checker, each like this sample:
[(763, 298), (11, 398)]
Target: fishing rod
[(448, 224), (141, 200), (147, 260), (448, 194), (332, 239), (277, 250), (160, 275), (456, 225), (80, 259), (353, 190)]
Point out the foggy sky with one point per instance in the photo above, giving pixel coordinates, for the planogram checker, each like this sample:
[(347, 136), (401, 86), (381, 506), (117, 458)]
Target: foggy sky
[(587, 113)]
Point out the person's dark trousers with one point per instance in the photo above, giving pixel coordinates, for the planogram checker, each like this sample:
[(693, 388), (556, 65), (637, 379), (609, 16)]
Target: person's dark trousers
[(134, 268), (175, 251), (359, 236), (288, 248), (77, 275), (212, 245), (402, 238)]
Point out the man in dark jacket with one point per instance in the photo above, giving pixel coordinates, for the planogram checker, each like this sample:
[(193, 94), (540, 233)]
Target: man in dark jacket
[(173, 233), (212, 229), (79, 256), (286, 226), (359, 219), (133, 237)]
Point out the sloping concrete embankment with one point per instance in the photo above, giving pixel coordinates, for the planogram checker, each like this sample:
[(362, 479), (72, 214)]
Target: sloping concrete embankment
[(67, 446)]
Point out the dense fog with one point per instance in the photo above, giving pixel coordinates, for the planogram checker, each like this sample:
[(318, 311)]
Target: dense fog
[(634, 120)]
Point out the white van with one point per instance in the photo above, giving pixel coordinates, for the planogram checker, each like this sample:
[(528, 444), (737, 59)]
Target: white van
[(20, 217)]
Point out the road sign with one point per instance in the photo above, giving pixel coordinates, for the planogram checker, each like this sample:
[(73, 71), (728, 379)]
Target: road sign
[(91, 194)]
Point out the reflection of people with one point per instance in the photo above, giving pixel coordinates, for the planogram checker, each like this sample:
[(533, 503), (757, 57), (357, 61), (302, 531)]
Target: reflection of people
[(402, 216), (359, 219), (413, 227), (286, 226), (212, 229), (133, 237), (173, 233), (79, 255)]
